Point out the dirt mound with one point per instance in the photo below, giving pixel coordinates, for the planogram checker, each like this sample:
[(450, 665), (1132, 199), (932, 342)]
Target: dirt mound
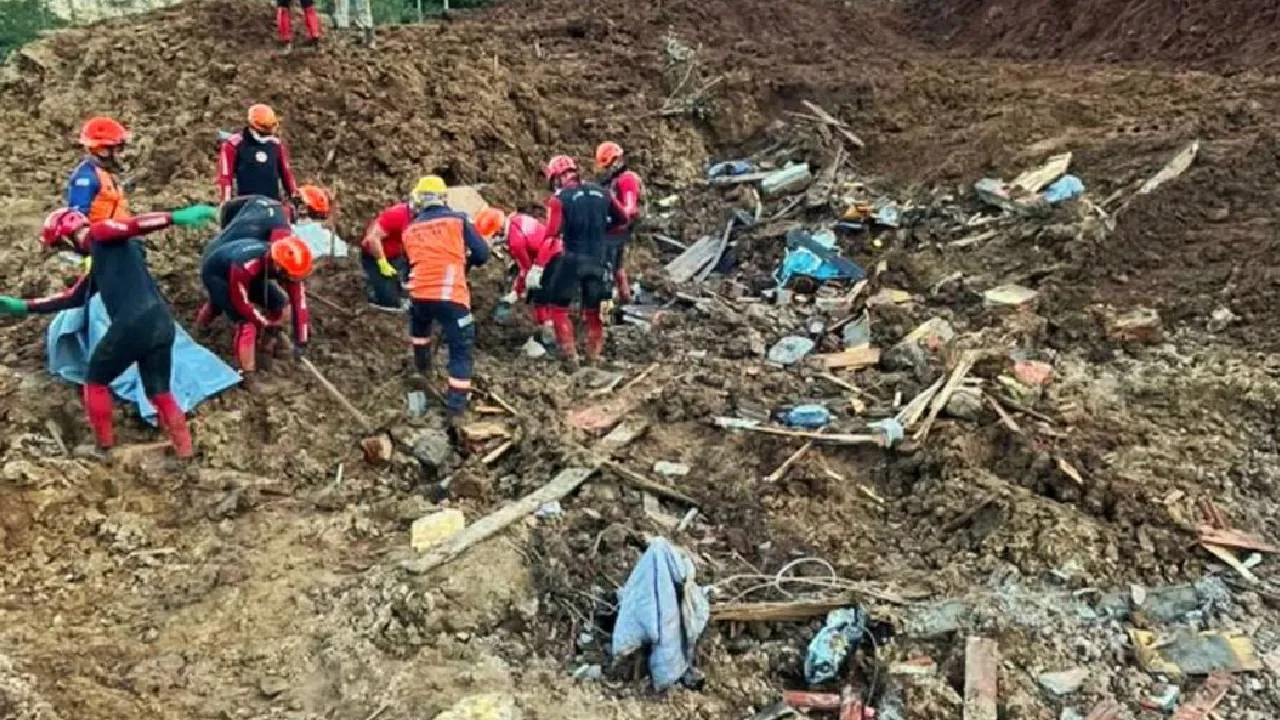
[(1237, 34)]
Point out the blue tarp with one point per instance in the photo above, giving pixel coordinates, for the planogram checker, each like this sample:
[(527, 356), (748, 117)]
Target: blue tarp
[(663, 608), (815, 256), (831, 646), (197, 372)]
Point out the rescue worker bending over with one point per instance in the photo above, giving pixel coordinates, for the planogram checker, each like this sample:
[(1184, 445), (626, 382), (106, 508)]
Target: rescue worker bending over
[(256, 217), (442, 245), (94, 189), (239, 277), (141, 329), (255, 161), (386, 269), (526, 237), (580, 214), (627, 188)]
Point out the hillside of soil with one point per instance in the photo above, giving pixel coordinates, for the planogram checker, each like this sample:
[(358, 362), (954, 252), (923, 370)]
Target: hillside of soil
[(267, 579)]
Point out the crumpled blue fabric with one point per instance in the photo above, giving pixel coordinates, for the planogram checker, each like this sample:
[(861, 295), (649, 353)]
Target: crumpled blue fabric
[(197, 373), (808, 256), (662, 607), (838, 637)]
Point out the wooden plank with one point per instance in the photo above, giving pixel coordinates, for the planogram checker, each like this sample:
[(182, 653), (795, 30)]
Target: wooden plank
[(963, 367), (1105, 710), (640, 482), (739, 179), (1235, 539), (797, 611), (981, 678), (854, 358), (689, 262), (819, 438), (467, 199), (835, 122), (1215, 688), (564, 483)]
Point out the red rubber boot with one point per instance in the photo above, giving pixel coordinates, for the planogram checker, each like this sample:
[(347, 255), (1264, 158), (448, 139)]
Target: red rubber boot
[(284, 26), (595, 334), (311, 19), (174, 422), (246, 345), (97, 407)]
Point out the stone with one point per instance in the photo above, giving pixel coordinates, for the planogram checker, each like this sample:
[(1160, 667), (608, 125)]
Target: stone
[(272, 686), (933, 334), (431, 530), (377, 450), (965, 404), (1141, 325), (1009, 296), (1063, 682), (670, 469), (533, 349), (432, 448), (1033, 372), (489, 706)]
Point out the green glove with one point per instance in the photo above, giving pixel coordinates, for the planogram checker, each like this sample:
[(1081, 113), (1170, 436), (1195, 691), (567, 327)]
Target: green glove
[(194, 215), (386, 268), (12, 306)]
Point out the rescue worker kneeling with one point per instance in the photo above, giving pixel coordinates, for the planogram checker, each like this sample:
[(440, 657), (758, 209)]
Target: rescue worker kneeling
[(442, 245), (239, 276), (142, 329)]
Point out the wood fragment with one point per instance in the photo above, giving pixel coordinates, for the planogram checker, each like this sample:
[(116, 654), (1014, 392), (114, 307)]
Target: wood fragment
[(831, 120), (639, 378), (1105, 710), (1069, 470), (719, 251), (640, 482), (1235, 539), (564, 483), (1004, 416), (967, 361), (56, 433), (341, 309), (668, 240), (791, 460), (910, 415), (497, 452), (502, 403), (981, 678), (1231, 560), (1201, 705), (848, 386), (855, 358), (360, 417), (820, 438), (796, 611)]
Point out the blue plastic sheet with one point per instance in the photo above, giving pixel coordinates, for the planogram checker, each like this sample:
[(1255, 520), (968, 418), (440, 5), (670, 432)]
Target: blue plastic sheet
[(809, 255), (828, 650), (1067, 187), (661, 607), (197, 373)]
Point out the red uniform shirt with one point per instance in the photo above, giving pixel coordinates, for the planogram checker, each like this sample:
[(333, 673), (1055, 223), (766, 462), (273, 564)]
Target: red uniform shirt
[(527, 239), (393, 222)]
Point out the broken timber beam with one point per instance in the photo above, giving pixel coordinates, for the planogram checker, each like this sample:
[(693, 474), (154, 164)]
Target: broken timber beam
[(798, 611), (561, 485), (640, 482)]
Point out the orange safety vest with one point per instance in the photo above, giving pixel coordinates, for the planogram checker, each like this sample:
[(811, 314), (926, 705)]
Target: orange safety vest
[(437, 254), (110, 202)]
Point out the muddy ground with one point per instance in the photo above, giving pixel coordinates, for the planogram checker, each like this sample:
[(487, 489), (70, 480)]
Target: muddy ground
[(264, 580)]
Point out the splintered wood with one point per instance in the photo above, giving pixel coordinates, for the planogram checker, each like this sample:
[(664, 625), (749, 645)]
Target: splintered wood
[(981, 675), (963, 367)]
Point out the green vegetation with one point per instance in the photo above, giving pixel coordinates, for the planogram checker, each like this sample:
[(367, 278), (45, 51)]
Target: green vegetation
[(21, 21)]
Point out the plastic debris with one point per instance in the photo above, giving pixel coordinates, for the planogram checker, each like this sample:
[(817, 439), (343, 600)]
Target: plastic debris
[(661, 607), (670, 469), (1190, 653), (833, 644), (1009, 295), (892, 429), (858, 332), (1175, 167), (1063, 682), (417, 403), (807, 416), (550, 510), (789, 179), (732, 167), (1163, 698), (887, 213), (790, 350), (815, 256), (533, 349), (1067, 187)]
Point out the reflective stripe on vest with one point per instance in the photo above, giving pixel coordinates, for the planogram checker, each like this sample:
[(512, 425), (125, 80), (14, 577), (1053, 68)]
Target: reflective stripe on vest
[(437, 254)]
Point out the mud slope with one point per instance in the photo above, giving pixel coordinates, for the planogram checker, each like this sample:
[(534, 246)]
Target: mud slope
[(1237, 34)]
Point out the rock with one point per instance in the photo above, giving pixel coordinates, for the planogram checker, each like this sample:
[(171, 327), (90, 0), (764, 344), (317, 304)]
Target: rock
[(272, 686), (889, 296), (411, 508), (430, 530), (933, 334), (790, 350), (432, 448), (906, 356), (1063, 682), (1009, 296), (670, 469), (417, 401), (1033, 372), (1221, 318), (471, 485), (533, 349), (490, 706), (1141, 325), (965, 404), (1070, 714)]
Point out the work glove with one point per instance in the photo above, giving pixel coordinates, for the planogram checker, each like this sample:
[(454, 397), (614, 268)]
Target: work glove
[(87, 264), (194, 215), (386, 268), (533, 280), (606, 309), (510, 298), (13, 306)]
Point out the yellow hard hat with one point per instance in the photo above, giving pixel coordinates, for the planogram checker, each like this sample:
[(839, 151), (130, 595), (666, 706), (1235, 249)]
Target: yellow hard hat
[(429, 190)]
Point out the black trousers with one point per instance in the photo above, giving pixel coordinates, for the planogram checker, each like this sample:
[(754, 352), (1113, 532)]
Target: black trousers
[(144, 337)]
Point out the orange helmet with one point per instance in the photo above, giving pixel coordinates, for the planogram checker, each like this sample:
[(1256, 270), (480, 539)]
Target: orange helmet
[(489, 222), (292, 256), (559, 165), (315, 200), (101, 133), (263, 119), (607, 153)]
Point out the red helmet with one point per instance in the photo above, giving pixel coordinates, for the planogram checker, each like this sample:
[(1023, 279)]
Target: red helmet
[(100, 133), (607, 153), (61, 223), (559, 165), (292, 256)]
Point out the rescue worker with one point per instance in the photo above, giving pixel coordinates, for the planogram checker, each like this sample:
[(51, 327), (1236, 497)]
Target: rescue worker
[(627, 188), (284, 22), (255, 161), (386, 269), (525, 237), (142, 329), (257, 217), (442, 245), (580, 214), (239, 276), (94, 189)]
